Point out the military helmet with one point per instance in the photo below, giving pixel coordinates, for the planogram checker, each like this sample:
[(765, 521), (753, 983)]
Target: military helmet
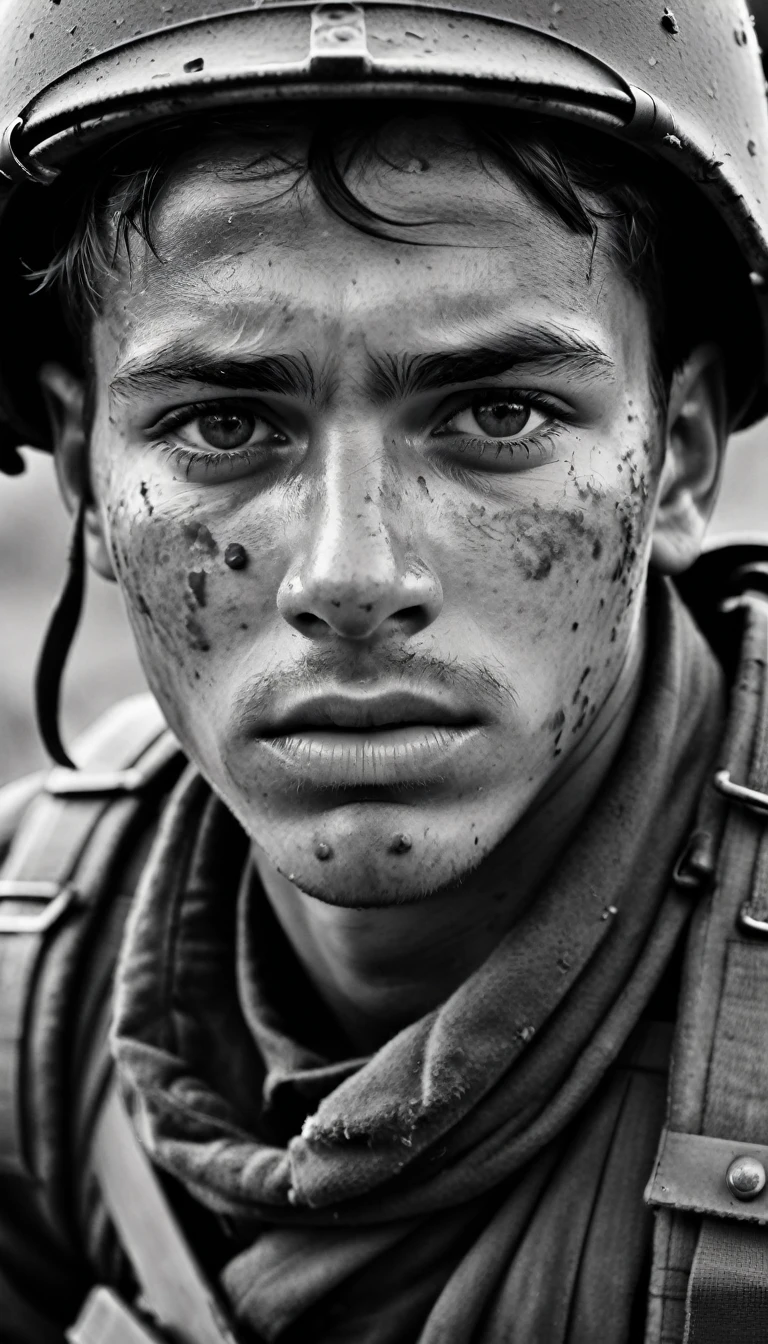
[(684, 85)]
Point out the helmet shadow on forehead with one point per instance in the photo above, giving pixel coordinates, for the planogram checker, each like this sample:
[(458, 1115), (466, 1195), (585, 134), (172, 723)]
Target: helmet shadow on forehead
[(639, 211)]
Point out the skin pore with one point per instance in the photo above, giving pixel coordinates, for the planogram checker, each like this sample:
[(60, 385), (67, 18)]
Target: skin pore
[(394, 539)]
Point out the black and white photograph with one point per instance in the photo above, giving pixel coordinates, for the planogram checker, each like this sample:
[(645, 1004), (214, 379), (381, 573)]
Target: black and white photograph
[(384, 678)]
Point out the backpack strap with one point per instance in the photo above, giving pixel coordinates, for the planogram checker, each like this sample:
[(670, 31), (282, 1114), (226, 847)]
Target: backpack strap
[(174, 1288), (709, 1182), (50, 882)]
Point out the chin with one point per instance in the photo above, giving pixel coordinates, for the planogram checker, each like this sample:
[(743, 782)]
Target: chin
[(358, 874)]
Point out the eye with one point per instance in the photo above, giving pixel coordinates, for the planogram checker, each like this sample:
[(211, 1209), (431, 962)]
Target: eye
[(221, 428), (496, 417)]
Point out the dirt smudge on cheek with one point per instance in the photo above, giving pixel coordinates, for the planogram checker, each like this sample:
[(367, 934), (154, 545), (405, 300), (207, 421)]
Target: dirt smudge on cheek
[(197, 637), (538, 538)]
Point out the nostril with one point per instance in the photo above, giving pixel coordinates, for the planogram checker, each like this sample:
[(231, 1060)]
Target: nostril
[(306, 622), (410, 614)]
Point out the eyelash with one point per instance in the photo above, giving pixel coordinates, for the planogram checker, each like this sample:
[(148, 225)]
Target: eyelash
[(215, 461)]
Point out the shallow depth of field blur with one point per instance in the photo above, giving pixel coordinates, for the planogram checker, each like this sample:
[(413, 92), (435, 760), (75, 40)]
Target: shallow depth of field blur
[(103, 666)]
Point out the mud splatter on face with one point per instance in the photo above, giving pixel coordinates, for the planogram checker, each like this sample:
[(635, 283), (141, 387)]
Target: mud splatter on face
[(196, 579), (199, 535), (144, 492), (538, 537), (198, 639)]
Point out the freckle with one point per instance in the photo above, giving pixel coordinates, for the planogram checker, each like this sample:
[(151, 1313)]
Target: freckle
[(601, 603), (585, 674), (597, 550), (613, 635), (197, 675), (334, 603), (365, 606), (243, 625), (575, 625)]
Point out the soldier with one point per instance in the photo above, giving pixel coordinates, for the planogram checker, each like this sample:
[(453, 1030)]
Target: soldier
[(388, 354)]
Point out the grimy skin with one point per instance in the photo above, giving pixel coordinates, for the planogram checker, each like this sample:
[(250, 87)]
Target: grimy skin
[(380, 544)]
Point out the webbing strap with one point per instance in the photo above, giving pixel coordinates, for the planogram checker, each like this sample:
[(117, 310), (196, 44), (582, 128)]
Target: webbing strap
[(173, 1285), (719, 1081), (728, 1288), (37, 892), (728, 1303)]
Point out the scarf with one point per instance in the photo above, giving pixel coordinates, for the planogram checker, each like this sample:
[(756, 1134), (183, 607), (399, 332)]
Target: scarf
[(480, 1177)]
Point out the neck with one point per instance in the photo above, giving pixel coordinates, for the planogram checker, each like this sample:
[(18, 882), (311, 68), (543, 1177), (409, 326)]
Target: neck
[(378, 970)]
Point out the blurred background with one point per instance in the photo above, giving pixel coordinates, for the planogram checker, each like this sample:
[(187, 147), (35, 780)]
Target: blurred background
[(103, 666)]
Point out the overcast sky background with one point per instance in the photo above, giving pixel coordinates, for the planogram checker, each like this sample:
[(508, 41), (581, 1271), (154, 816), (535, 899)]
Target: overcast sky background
[(103, 667)]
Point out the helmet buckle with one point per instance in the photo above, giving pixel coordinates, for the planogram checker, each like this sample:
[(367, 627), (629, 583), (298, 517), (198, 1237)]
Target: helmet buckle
[(338, 43), (16, 169)]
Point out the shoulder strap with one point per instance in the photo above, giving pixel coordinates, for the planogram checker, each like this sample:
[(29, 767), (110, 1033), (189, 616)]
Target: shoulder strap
[(174, 1288), (50, 883), (710, 1278)]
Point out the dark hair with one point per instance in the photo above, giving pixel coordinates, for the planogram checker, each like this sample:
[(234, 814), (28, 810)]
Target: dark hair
[(678, 257)]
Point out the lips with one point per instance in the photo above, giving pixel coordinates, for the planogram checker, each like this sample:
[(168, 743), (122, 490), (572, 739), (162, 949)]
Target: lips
[(393, 738), (356, 714)]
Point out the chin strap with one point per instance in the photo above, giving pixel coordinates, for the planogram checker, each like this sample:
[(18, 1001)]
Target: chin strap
[(57, 643)]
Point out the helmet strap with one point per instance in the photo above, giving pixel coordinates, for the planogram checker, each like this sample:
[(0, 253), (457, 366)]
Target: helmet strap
[(57, 644)]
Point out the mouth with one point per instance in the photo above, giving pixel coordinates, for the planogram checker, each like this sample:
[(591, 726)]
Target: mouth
[(342, 741)]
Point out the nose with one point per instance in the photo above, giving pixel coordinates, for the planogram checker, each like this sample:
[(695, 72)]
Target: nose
[(357, 577)]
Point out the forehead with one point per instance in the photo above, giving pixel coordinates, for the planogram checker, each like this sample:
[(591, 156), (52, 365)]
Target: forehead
[(245, 247)]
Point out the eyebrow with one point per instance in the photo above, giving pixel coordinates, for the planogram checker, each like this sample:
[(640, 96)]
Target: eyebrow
[(549, 349), (289, 375), (390, 377)]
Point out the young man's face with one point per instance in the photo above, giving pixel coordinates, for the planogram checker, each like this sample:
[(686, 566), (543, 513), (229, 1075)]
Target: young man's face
[(438, 463)]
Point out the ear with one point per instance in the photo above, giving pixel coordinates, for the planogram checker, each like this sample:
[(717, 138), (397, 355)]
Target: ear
[(65, 402), (696, 431)]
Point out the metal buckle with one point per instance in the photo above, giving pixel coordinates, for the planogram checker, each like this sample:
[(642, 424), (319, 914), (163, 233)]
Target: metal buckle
[(739, 793), (57, 901), (747, 921), (694, 870)]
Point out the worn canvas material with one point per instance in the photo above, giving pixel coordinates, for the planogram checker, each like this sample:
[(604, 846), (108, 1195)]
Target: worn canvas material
[(480, 1177)]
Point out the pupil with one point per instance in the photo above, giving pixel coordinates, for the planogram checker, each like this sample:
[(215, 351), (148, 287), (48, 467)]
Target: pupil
[(226, 431), (501, 419)]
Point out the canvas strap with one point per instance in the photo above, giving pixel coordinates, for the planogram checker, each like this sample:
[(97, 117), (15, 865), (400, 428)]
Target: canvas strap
[(56, 863), (719, 1085), (175, 1291)]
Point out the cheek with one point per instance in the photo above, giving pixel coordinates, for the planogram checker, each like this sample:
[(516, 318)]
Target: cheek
[(192, 582), (555, 588)]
